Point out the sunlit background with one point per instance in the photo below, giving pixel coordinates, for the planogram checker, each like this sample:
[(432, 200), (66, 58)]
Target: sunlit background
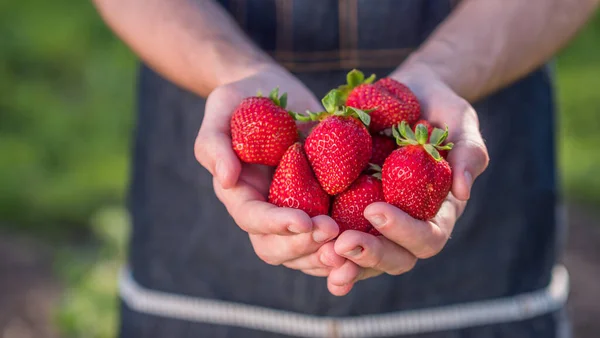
[(67, 90)]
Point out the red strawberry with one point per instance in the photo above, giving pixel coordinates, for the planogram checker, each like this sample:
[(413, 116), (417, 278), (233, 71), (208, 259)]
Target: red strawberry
[(349, 206), (443, 153), (382, 148), (402, 92), (387, 108), (262, 130), (426, 124), (295, 186), (415, 177), (339, 147)]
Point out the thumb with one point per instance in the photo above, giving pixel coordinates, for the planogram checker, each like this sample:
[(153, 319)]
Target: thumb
[(468, 159), (213, 148), (214, 151)]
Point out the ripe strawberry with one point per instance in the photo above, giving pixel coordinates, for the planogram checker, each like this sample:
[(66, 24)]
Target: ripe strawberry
[(349, 206), (294, 184), (262, 130), (339, 147), (388, 101), (443, 153), (415, 177), (402, 92), (382, 148), (426, 124)]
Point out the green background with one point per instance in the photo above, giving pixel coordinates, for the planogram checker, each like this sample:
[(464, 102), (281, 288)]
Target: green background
[(66, 116)]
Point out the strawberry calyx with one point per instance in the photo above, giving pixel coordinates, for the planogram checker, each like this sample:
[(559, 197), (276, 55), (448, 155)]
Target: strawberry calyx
[(333, 107), (405, 136), (375, 170), (280, 101), (354, 78)]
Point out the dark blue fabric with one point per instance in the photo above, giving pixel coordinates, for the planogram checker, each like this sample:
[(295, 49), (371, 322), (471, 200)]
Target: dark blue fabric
[(184, 241)]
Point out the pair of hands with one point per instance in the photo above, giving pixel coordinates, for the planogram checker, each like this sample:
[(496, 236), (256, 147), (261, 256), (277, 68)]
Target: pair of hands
[(289, 237)]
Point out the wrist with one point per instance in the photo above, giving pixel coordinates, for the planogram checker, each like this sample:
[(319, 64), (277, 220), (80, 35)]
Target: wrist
[(232, 65)]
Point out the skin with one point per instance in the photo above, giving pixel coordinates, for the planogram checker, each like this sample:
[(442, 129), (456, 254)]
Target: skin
[(483, 46)]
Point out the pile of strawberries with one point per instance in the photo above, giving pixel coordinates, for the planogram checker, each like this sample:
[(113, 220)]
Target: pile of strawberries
[(347, 161)]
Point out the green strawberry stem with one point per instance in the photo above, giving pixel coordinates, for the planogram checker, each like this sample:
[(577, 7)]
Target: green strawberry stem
[(333, 107), (281, 101), (354, 78), (405, 136)]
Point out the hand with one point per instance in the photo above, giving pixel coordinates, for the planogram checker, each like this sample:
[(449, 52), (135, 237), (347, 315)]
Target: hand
[(279, 235), (406, 239)]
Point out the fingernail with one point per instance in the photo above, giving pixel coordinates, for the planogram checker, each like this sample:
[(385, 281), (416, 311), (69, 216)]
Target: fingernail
[(377, 220), (294, 228), (468, 179), (355, 252), (320, 236)]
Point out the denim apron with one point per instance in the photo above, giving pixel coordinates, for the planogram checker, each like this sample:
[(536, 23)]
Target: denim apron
[(185, 244)]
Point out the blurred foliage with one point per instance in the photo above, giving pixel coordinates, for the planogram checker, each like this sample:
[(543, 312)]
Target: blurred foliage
[(66, 112), (579, 122), (89, 305)]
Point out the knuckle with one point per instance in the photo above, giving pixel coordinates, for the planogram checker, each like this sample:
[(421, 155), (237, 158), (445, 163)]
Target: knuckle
[(433, 244), (267, 256), (403, 267)]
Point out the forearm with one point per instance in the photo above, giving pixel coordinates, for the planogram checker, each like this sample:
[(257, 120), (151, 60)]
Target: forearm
[(487, 44), (195, 44)]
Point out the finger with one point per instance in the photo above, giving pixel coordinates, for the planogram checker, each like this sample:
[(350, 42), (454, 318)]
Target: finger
[(276, 250), (325, 257), (339, 290), (213, 148), (423, 239), (345, 274), (377, 253), (319, 272), (251, 213), (468, 158)]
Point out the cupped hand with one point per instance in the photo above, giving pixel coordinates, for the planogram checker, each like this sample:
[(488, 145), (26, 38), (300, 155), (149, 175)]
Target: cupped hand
[(405, 239), (279, 235)]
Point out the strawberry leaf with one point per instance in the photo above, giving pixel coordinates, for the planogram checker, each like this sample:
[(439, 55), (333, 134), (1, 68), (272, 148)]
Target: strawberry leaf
[(283, 100), (354, 78), (447, 146), (406, 132), (421, 134), (332, 100), (274, 95), (362, 116), (433, 152), (438, 136), (370, 79), (396, 133), (377, 175), (374, 167)]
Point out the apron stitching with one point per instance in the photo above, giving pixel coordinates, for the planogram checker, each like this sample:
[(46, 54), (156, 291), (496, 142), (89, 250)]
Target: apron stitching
[(450, 317)]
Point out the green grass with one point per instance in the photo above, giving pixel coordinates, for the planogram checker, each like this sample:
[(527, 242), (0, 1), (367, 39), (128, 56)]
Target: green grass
[(579, 123), (66, 110)]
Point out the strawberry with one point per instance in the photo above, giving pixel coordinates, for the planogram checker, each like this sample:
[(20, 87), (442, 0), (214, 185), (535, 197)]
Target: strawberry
[(415, 177), (403, 93), (387, 101), (426, 124), (294, 184), (382, 148), (262, 130), (348, 207), (340, 146), (443, 153)]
